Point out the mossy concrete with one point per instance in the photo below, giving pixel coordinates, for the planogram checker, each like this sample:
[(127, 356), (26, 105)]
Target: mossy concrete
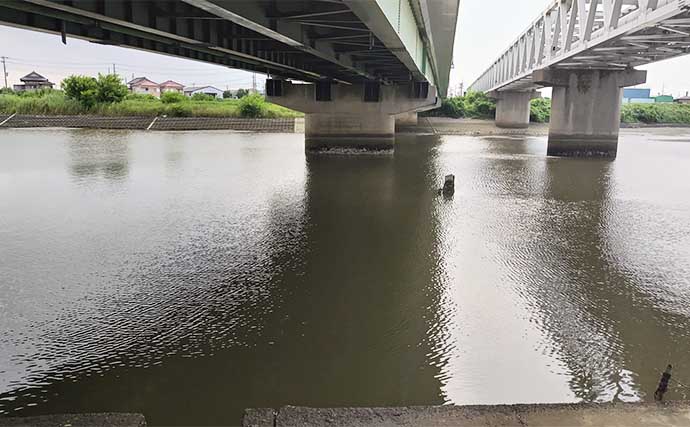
[(609, 414), (77, 420)]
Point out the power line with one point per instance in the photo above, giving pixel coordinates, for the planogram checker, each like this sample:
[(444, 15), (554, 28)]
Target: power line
[(4, 70)]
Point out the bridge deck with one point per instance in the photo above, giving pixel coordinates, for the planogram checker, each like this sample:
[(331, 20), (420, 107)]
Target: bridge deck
[(592, 34)]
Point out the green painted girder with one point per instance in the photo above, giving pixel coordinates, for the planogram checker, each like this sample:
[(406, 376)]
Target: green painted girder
[(420, 33)]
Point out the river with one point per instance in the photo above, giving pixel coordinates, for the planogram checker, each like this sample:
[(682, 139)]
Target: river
[(190, 275)]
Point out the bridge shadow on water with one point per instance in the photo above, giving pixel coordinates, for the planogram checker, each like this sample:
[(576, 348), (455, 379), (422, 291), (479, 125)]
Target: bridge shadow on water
[(337, 302), (328, 280)]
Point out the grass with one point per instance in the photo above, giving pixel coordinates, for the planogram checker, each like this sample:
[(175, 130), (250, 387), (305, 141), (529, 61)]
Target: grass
[(474, 106), (56, 103), (656, 113)]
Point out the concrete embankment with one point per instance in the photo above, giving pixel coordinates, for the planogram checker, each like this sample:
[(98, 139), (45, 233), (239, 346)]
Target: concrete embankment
[(76, 420), (150, 123), (472, 127), (476, 127), (609, 414)]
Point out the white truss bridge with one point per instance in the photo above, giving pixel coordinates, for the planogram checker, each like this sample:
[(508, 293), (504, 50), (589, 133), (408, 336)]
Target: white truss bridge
[(591, 34)]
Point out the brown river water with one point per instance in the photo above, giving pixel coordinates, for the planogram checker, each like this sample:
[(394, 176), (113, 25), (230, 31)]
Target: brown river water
[(190, 275)]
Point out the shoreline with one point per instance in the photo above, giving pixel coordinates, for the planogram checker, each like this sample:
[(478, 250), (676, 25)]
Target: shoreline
[(428, 125), (672, 413), (282, 125)]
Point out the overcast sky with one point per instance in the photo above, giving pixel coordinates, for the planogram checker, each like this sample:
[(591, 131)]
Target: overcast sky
[(486, 27)]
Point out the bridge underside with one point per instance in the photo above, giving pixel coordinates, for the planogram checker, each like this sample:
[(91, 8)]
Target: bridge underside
[(307, 40)]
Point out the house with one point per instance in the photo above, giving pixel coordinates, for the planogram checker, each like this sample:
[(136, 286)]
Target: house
[(207, 90), (171, 86), (144, 86), (637, 96), (683, 100), (33, 81)]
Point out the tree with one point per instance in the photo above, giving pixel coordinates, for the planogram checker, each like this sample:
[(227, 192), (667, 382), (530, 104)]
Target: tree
[(252, 105), (81, 88), (88, 91), (227, 94), (109, 89), (241, 93)]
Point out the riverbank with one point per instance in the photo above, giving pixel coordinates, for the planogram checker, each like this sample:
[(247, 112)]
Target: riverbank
[(608, 414), (478, 106), (279, 125), (428, 125), (470, 127), (57, 103)]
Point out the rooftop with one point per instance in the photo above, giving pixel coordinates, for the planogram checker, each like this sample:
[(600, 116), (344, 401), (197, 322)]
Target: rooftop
[(33, 77)]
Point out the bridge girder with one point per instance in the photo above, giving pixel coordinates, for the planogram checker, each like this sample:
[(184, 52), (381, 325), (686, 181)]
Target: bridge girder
[(591, 34), (306, 40)]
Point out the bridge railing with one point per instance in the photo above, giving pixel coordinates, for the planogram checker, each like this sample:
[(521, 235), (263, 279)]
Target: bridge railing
[(573, 34)]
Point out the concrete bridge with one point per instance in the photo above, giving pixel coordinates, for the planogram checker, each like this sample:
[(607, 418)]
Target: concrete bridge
[(364, 61), (586, 50)]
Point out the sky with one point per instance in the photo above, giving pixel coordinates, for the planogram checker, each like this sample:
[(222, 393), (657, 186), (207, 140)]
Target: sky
[(485, 29)]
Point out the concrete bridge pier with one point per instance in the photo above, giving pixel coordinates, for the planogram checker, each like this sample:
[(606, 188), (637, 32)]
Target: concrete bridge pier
[(358, 116), (586, 109), (406, 119), (513, 108)]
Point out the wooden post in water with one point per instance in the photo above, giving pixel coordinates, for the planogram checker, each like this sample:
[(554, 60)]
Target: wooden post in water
[(663, 384), (449, 185)]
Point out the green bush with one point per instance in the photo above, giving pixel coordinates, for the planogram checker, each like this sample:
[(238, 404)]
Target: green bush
[(82, 89), (203, 97), (109, 89), (173, 97), (253, 106), (655, 113), (540, 110), (57, 103), (241, 93), (54, 103), (453, 107), (140, 97), (227, 94), (478, 105), (178, 110), (36, 93)]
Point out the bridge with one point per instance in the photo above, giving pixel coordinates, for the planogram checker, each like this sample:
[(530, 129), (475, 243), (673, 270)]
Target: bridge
[(351, 65), (586, 50)]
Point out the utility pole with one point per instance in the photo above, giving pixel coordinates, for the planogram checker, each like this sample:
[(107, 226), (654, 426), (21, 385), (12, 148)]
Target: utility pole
[(114, 72), (254, 82), (4, 70)]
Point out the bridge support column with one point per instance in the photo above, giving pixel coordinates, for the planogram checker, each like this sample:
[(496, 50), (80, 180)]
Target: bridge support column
[(406, 119), (359, 116), (586, 109), (349, 130), (513, 108)]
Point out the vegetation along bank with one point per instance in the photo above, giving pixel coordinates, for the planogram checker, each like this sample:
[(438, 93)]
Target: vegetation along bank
[(477, 105), (108, 96)]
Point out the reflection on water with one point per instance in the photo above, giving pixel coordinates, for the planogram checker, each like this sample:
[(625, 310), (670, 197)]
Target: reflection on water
[(190, 275)]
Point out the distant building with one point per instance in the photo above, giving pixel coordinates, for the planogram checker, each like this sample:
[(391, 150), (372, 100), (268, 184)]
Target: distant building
[(207, 90), (33, 81), (171, 86), (663, 98), (144, 86), (683, 100), (637, 96)]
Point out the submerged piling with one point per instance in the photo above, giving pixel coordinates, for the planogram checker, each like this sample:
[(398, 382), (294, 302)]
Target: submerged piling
[(663, 384), (449, 185)]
